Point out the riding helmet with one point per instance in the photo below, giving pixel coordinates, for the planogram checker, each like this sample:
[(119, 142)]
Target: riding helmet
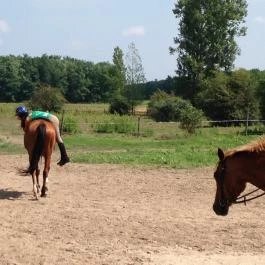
[(21, 111)]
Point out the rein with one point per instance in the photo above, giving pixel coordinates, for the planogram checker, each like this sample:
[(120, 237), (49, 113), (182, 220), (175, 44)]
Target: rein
[(243, 199), (240, 199)]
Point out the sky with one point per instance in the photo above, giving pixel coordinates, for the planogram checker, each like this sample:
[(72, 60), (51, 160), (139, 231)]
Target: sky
[(91, 29)]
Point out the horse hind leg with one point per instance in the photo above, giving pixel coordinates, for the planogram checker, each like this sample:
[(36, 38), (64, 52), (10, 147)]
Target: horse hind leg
[(44, 189), (47, 164), (37, 178), (35, 189)]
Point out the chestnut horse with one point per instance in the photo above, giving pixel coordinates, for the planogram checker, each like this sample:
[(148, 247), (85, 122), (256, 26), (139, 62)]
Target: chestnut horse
[(39, 140), (236, 168)]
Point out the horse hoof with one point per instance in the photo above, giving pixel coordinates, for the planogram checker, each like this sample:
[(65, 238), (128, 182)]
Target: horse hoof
[(44, 190)]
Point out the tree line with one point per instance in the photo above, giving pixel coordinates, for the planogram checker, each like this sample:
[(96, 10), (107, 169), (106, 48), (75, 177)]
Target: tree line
[(221, 96), (78, 80)]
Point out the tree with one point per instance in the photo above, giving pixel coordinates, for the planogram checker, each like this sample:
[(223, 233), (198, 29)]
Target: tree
[(216, 98), (30, 79), (103, 82), (120, 70), (207, 31), (261, 93), (134, 75), (77, 84), (245, 90), (11, 77), (229, 97)]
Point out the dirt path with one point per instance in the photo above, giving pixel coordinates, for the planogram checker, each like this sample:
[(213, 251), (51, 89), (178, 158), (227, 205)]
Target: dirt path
[(109, 214)]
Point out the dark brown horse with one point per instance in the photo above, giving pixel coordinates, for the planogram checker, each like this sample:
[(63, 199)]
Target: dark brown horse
[(236, 168), (39, 140)]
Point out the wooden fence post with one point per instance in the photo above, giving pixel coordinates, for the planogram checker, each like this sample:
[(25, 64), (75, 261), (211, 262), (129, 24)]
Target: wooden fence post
[(138, 127), (247, 121)]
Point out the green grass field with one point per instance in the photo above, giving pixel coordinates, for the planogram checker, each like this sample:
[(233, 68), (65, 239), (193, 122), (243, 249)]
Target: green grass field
[(181, 152), (165, 144)]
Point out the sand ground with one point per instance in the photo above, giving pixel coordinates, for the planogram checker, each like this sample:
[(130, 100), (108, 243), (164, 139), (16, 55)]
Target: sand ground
[(120, 215)]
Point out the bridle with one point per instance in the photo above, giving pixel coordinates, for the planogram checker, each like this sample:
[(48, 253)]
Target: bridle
[(241, 199)]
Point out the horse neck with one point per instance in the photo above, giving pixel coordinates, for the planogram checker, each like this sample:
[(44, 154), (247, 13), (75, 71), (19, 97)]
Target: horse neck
[(23, 123), (26, 124), (252, 167)]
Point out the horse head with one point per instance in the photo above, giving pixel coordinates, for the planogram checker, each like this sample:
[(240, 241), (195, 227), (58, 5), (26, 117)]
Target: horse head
[(229, 184)]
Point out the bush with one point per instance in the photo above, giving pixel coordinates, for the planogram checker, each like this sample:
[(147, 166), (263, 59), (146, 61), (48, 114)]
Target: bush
[(159, 95), (47, 98), (161, 111), (166, 108), (190, 119), (119, 105)]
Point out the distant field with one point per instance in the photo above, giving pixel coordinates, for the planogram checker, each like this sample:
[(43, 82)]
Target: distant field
[(159, 144)]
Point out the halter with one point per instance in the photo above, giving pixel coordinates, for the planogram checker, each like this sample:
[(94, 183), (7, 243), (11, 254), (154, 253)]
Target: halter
[(238, 200)]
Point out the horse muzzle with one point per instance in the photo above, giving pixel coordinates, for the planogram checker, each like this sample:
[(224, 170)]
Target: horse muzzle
[(220, 209)]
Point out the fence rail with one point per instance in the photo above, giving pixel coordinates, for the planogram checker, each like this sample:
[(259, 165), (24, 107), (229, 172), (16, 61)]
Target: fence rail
[(175, 122), (142, 124), (234, 121)]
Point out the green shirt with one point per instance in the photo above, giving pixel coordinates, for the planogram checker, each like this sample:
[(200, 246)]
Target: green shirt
[(39, 115)]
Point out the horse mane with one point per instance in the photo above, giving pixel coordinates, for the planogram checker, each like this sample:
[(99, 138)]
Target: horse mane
[(255, 146)]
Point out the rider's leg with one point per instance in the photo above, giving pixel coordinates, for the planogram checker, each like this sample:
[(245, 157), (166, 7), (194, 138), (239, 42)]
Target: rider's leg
[(64, 157)]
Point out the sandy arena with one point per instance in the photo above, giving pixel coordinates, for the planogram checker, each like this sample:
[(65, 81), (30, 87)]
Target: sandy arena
[(113, 214)]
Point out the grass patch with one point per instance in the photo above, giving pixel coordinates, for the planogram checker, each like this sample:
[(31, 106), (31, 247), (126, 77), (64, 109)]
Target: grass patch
[(116, 124), (137, 157), (8, 148), (181, 152)]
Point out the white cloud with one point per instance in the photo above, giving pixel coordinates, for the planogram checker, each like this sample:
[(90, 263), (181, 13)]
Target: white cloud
[(4, 27), (1, 43), (134, 31), (260, 19)]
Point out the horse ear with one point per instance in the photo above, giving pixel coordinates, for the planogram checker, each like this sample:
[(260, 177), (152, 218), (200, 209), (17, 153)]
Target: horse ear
[(221, 154)]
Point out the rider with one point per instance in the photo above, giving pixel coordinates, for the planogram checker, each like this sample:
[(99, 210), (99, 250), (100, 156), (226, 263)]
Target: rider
[(23, 114)]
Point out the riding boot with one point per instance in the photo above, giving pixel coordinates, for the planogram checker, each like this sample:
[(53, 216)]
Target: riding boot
[(64, 157)]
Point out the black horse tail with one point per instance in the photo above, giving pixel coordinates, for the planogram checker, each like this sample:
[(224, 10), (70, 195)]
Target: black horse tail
[(38, 149)]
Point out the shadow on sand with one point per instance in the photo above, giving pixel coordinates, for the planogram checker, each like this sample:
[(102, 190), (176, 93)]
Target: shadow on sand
[(6, 194)]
